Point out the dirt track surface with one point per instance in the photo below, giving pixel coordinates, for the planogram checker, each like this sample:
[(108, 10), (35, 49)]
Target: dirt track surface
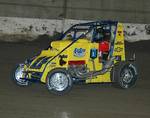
[(84, 101)]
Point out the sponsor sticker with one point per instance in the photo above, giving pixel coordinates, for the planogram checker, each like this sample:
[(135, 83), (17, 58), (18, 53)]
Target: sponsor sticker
[(79, 52), (119, 43), (118, 49)]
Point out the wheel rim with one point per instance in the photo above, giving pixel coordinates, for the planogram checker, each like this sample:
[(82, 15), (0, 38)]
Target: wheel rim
[(128, 77), (19, 75), (59, 81)]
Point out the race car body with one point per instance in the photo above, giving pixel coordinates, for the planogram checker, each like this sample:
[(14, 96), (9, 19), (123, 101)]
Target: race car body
[(91, 52)]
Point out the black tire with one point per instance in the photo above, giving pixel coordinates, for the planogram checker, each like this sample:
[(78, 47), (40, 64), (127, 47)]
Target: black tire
[(18, 81), (124, 75), (63, 80)]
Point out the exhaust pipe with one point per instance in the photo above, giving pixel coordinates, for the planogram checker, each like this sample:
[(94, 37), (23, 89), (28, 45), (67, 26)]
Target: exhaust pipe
[(90, 74)]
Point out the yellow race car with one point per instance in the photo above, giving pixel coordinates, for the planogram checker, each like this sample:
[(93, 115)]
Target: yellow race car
[(92, 52)]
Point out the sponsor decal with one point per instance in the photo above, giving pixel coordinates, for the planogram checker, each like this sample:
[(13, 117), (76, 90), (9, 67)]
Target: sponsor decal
[(52, 64), (93, 53), (118, 49), (79, 52), (120, 32), (119, 43)]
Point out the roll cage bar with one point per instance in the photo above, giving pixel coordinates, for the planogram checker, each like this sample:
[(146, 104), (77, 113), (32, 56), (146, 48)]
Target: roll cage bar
[(88, 27)]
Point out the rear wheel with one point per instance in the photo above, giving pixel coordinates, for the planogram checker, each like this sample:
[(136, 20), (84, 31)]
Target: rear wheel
[(125, 75), (59, 81)]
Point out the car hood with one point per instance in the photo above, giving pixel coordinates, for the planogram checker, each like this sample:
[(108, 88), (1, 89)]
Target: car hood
[(64, 43)]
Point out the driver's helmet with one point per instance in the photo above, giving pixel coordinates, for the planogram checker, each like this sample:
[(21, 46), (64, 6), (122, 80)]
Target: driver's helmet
[(107, 34), (99, 35)]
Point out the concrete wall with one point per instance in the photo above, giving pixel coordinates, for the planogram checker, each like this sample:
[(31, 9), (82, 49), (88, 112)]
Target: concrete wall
[(27, 19), (20, 29), (137, 11)]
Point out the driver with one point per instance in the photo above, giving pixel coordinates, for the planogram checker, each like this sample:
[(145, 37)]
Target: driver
[(104, 46)]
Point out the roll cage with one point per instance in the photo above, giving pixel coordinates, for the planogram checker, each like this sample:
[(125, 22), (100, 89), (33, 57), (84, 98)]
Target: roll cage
[(90, 30)]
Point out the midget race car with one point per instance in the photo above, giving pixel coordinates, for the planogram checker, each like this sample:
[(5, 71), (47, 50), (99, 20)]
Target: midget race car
[(77, 57)]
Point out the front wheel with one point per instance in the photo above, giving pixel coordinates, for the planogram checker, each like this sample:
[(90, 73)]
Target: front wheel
[(18, 76), (59, 81), (125, 75)]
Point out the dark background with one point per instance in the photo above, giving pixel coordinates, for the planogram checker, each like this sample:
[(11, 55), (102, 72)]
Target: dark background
[(134, 11)]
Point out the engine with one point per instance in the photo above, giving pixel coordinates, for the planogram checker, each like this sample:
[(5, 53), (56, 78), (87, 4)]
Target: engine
[(78, 71)]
